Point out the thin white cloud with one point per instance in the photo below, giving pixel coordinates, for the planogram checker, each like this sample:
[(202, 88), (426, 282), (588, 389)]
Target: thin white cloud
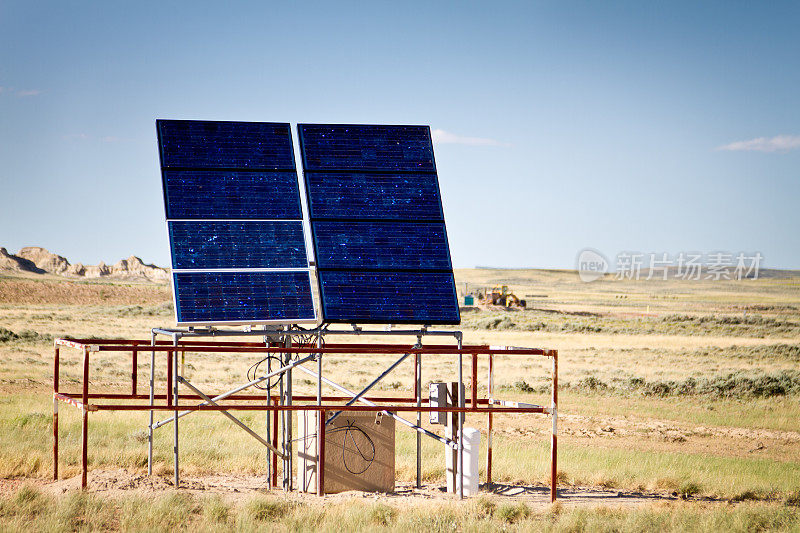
[(445, 137), (75, 136), (29, 92), (779, 143)]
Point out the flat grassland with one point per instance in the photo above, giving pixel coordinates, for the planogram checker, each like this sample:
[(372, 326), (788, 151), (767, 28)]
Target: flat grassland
[(679, 407)]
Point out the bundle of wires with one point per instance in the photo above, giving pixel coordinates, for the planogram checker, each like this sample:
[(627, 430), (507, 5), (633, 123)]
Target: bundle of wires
[(304, 340), (252, 372)]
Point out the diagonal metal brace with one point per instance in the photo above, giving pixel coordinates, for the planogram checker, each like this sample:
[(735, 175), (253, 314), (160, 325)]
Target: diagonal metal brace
[(366, 389), (408, 423), (239, 389), (233, 418)]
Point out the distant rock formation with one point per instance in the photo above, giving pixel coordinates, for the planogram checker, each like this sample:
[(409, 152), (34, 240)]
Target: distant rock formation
[(17, 264), (37, 260), (76, 270), (55, 264), (133, 266), (97, 271)]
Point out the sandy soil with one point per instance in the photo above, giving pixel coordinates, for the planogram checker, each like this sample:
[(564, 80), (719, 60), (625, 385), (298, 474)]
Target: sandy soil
[(117, 483)]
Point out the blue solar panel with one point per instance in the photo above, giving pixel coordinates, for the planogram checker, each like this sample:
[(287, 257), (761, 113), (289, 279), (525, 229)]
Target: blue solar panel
[(215, 194), (242, 297), (359, 147), (207, 144), (381, 245), (399, 297), (377, 224), (210, 245), (232, 202), (374, 196)]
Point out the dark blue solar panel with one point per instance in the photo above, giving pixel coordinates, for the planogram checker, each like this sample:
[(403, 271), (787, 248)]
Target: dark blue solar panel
[(209, 194), (377, 224), (246, 297), (209, 245), (361, 147), (389, 297), (381, 245), (386, 196), (207, 144), (232, 202)]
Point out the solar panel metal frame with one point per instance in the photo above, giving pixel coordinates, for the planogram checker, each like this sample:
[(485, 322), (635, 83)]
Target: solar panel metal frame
[(433, 171), (302, 220)]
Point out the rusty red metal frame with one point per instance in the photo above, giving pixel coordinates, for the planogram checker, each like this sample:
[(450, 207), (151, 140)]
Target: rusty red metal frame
[(270, 403)]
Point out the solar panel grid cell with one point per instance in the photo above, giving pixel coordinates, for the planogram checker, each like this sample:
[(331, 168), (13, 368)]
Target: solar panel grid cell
[(243, 296), (416, 297), (360, 147), (204, 194), (210, 144), (374, 196), (253, 244), (381, 245)]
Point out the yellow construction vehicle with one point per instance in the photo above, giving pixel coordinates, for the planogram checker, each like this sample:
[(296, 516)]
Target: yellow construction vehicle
[(501, 295)]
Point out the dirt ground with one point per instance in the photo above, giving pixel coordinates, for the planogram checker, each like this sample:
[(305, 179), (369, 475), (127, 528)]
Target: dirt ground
[(117, 483)]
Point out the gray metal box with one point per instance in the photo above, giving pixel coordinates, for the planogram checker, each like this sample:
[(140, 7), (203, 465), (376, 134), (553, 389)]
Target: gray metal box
[(438, 398)]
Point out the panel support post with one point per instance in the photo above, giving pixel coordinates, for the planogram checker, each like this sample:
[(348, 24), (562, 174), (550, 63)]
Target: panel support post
[(152, 402), (553, 437), (269, 428), (282, 400), (275, 424), (490, 417), (418, 390), (169, 378), (321, 424), (461, 417), (85, 421), (55, 413), (174, 358), (287, 427)]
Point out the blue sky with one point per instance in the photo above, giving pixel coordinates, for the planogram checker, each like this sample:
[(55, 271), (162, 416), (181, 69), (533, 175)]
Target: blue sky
[(560, 125)]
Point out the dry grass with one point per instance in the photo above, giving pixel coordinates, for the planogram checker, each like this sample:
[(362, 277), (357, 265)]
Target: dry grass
[(27, 509), (630, 418)]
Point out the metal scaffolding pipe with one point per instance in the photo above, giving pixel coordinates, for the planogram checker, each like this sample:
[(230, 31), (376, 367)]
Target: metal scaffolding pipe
[(461, 419), (152, 402), (175, 400), (408, 423), (286, 342), (231, 417), (241, 388), (368, 387)]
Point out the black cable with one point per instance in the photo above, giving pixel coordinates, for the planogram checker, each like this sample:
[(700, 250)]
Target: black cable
[(350, 430), (252, 373), (307, 340), (368, 458), (304, 341)]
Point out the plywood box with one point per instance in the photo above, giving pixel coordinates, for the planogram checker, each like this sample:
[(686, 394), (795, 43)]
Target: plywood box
[(359, 452)]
